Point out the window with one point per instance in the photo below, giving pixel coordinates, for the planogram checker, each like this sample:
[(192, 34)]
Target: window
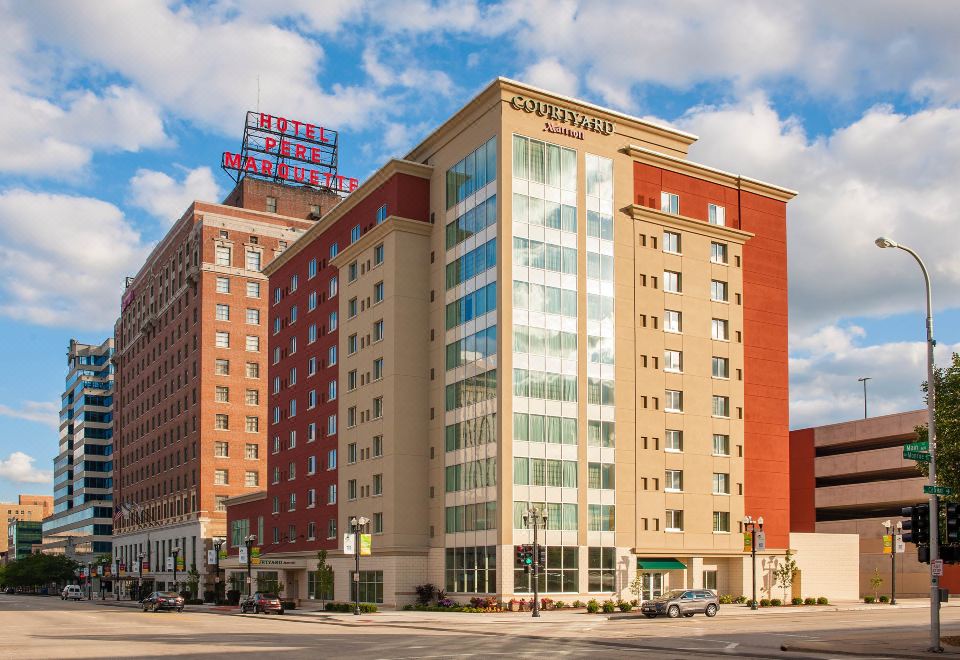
[(253, 289), (222, 394), (721, 483), (351, 380), (332, 533), (311, 399), (253, 370), (332, 390), (721, 444), (719, 329), (252, 424), (222, 422), (221, 477), (355, 234), (222, 312), (221, 367), (276, 325), (352, 453), (721, 524), (352, 489), (378, 523), (293, 314), (602, 518), (370, 585), (221, 449), (223, 285), (721, 406), (718, 253), (293, 408), (673, 401), (381, 214), (251, 452), (673, 440), (378, 330), (253, 260), (332, 286), (291, 471), (378, 484), (332, 356), (673, 481), (378, 369), (253, 343), (718, 291), (672, 321), (292, 502), (311, 464), (378, 407), (378, 255), (312, 266), (378, 292), (377, 446), (600, 475), (220, 502), (671, 242), (312, 333), (669, 203), (716, 214), (251, 478), (673, 361), (351, 308), (312, 301), (222, 339), (332, 425), (332, 459), (674, 520), (271, 204), (352, 272), (352, 344), (671, 281), (277, 293), (311, 502), (311, 431), (253, 316), (599, 434), (312, 366), (351, 417), (721, 367), (222, 257)]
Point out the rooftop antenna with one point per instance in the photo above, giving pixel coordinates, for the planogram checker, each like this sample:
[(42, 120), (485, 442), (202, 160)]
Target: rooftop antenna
[(258, 92)]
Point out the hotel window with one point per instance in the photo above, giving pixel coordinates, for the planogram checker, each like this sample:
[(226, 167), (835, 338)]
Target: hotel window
[(378, 407), (276, 325), (671, 281), (673, 481), (222, 312), (332, 425), (602, 573), (312, 266), (311, 464), (378, 255), (600, 475), (222, 339), (673, 440), (378, 369), (312, 301), (378, 330), (716, 214), (223, 285), (276, 384), (253, 260), (221, 477), (276, 504), (251, 451), (293, 314), (222, 394), (253, 343), (721, 406), (721, 524), (221, 449), (351, 308), (222, 257), (277, 294), (312, 333), (378, 523), (673, 401), (253, 289), (292, 378), (311, 502), (294, 283), (377, 446), (332, 390), (671, 242), (253, 370), (332, 356), (352, 272), (719, 329), (472, 173), (276, 450), (672, 321), (378, 292), (351, 380), (673, 520), (271, 204), (352, 344), (252, 424), (332, 286), (721, 444), (378, 484), (222, 422), (311, 431), (721, 367), (291, 471), (276, 535), (220, 502), (599, 434), (601, 518), (332, 528), (251, 479), (718, 291), (332, 321), (311, 366), (276, 475), (352, 453), (221, 367), (352, 489), (311, 399), (351, 417), (673, 361), (292, 502), (670, 203), (293, 408), (292, 440), (253, 316), (381, 214), (721, 483), (355, 234), (332, 459)]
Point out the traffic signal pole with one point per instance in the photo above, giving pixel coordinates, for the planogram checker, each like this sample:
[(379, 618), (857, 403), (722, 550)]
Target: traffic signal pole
[(536, 567)]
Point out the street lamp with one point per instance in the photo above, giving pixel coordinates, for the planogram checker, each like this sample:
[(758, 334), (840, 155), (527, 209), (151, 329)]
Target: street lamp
[(248, 541), (893, 530), (864, 381), (217, 544), (932, 442), (535, 518), (140, 580), (751, 525), (176, 553), (357, 524)]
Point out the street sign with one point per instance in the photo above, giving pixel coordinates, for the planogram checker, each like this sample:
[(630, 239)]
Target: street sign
[(937, 568), (366, 545), (887, 544), (211, 557), (255, 556), (917, 446), (169, 563), (349, 545), (898, 545), (243, 554), (920, 456), (747, 542), (938, 490), (761, 541)]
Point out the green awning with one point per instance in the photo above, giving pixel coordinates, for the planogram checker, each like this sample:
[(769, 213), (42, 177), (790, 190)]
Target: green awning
[(658, 564)]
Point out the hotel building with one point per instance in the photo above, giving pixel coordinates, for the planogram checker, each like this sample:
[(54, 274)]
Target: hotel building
[(544, 304), (26, 508), (190, 405)]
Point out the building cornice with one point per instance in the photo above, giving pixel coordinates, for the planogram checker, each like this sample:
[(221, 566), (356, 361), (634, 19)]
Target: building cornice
[(684, 223), (381, 176), (379, 232)]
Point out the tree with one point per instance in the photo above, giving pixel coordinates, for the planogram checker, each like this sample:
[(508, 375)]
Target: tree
[(324, 583), (193, 580), (947, 416), (636, 587), (784, 573), (875, 582), (37, 570)]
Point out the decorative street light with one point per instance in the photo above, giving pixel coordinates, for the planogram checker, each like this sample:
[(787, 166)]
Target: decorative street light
[(935, 647), (356, 524), (864, 381), (248, 541), (140, 580), (535, 518), (217, 544), (752, 526), (176, 553)]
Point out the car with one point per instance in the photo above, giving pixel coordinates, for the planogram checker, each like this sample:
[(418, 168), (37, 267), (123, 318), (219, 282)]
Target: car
[(162, 600), (261, 602), (682, 601), (9, 590), (71, 592)]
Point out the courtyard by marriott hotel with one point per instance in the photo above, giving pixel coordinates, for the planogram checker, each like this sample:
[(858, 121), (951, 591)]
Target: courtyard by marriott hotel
[(544, 304)]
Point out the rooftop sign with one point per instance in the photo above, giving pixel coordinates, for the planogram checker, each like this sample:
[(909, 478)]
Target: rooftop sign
[(578, 122)]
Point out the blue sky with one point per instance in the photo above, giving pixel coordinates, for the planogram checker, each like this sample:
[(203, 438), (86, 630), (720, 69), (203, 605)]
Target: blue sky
[(116, 114)]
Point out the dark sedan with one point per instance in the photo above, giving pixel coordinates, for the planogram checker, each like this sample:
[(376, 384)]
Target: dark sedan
[(260, 602), (162, 600)]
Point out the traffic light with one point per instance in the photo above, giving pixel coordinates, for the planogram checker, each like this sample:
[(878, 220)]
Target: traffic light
[(917, 528), (952, 515), (520, 554), (541, 556), (525, 556), (950, 554)]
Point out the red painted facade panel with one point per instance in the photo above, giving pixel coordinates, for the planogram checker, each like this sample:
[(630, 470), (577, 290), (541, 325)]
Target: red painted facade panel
[(803, 515)]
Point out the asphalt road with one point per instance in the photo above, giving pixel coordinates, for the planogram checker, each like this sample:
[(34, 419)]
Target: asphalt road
[(38, 627)]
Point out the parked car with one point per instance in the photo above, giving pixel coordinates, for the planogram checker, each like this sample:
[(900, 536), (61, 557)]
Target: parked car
[(260, 602), (71, 591), (682, 601), (162, 600), (9, 590)]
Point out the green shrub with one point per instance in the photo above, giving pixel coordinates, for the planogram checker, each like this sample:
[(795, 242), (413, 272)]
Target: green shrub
[(796, 600), (809, 601), (579, 603), (609, 606), (635, 602), (764, 602), (884, 598), (740, 600), (593, 606), (822, 600), (726, 599), (624, 606), (366, 608), (559, 604), (868, 599)]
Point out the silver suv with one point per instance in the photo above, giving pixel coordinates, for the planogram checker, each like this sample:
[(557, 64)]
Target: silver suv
[(682, 601)]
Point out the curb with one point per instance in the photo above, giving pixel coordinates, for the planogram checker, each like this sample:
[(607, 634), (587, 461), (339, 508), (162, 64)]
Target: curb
[(834, 648)]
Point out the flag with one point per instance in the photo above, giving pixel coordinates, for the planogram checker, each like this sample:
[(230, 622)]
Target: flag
[(117, 513)]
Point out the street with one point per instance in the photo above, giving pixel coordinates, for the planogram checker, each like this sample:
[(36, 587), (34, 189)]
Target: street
[(38, 627)]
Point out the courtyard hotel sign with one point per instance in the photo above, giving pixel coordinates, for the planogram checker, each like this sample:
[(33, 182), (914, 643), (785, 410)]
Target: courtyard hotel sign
[(578, 122)]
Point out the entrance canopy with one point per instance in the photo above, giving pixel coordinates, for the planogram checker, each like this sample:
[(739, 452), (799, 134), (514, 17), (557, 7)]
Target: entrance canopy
[(659, 564)]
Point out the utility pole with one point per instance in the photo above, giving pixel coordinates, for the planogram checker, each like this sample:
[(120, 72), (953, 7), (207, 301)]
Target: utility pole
[(750, 525), (864, 381), (537, 519), (357, 524)]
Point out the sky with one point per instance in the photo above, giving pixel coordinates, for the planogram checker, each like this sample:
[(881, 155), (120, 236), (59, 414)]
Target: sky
[(115, 115)]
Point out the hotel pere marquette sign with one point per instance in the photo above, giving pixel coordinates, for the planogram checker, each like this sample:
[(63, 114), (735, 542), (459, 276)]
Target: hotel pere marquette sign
[(288, 151)]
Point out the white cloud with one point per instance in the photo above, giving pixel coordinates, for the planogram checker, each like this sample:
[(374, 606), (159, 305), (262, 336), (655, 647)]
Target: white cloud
[(165, 198), (407, 74), (63, 259), (40, 412), (20, 468), (550, 74)]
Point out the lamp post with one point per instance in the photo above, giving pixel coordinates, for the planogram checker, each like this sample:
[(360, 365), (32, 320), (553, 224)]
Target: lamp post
[(176, 553), (248, 541), (893, 530), (217, 544), (535, 518), (932, 441), (864, 381), (140, 579), (751, 525), (357, 524)]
